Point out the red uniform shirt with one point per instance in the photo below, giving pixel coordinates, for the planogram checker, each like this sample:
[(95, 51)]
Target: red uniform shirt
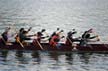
[(54, 40)]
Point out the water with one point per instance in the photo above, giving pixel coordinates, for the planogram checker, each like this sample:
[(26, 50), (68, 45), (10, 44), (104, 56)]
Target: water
[(52, 61), (50, 14)]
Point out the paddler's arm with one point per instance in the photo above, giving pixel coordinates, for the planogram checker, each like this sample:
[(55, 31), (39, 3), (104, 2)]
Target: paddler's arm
[(31, 35), (93, 37), (26, 38), (44, 37), (29, 29)]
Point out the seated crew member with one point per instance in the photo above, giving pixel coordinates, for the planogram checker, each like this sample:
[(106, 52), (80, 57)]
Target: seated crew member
[(86, 37), (21, 33), (56, 32), (39, 36), (70, 39), (54, 41), (5, 37), (24, 36)]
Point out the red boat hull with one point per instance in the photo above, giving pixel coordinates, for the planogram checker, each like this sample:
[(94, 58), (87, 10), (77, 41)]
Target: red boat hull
[(63, 47)]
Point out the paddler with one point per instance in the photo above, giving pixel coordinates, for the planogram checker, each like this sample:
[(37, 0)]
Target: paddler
[(70, 39), (55, 32), (5, 36), (39, 36), (22, 35), (54, 42), (86, 37)]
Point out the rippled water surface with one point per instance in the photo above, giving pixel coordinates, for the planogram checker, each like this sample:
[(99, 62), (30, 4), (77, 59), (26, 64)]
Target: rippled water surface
[(52, 61), (50, 14)]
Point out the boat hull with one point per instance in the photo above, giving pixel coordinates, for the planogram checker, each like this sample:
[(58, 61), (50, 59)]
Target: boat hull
[(63, 47)]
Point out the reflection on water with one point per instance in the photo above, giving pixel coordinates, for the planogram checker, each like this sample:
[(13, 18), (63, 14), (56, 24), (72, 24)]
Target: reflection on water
[(35, 55), (84, 57), (50, 14), (19, 53), (20, 58), (54, 55), (69, 58), (52, 60), (3, 55)]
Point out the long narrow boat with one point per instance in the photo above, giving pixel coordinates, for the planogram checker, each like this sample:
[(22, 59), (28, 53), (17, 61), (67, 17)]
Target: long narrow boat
[(63, 47)]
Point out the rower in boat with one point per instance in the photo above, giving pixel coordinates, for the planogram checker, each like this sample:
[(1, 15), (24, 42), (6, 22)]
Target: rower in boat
[(54, 42), (70, 39), (86, 37), (39, 36), (21, 31), (5, 38), (55, 32), (22, 36)]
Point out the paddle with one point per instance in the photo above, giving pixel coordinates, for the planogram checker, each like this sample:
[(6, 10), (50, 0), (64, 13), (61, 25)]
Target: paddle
[(18, 39), (97, 39), (39, 45), (72, 44)]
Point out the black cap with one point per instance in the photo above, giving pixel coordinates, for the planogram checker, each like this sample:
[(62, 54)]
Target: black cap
[(62, 31), (22, 29), (58, 28), (43, 30), (39, 33)]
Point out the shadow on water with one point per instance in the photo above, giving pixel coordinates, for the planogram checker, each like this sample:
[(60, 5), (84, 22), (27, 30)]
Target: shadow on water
[(3, 55), (19, 54), (84, 57), (21, 58), (54, 55), (36, 56), (69, 58)]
